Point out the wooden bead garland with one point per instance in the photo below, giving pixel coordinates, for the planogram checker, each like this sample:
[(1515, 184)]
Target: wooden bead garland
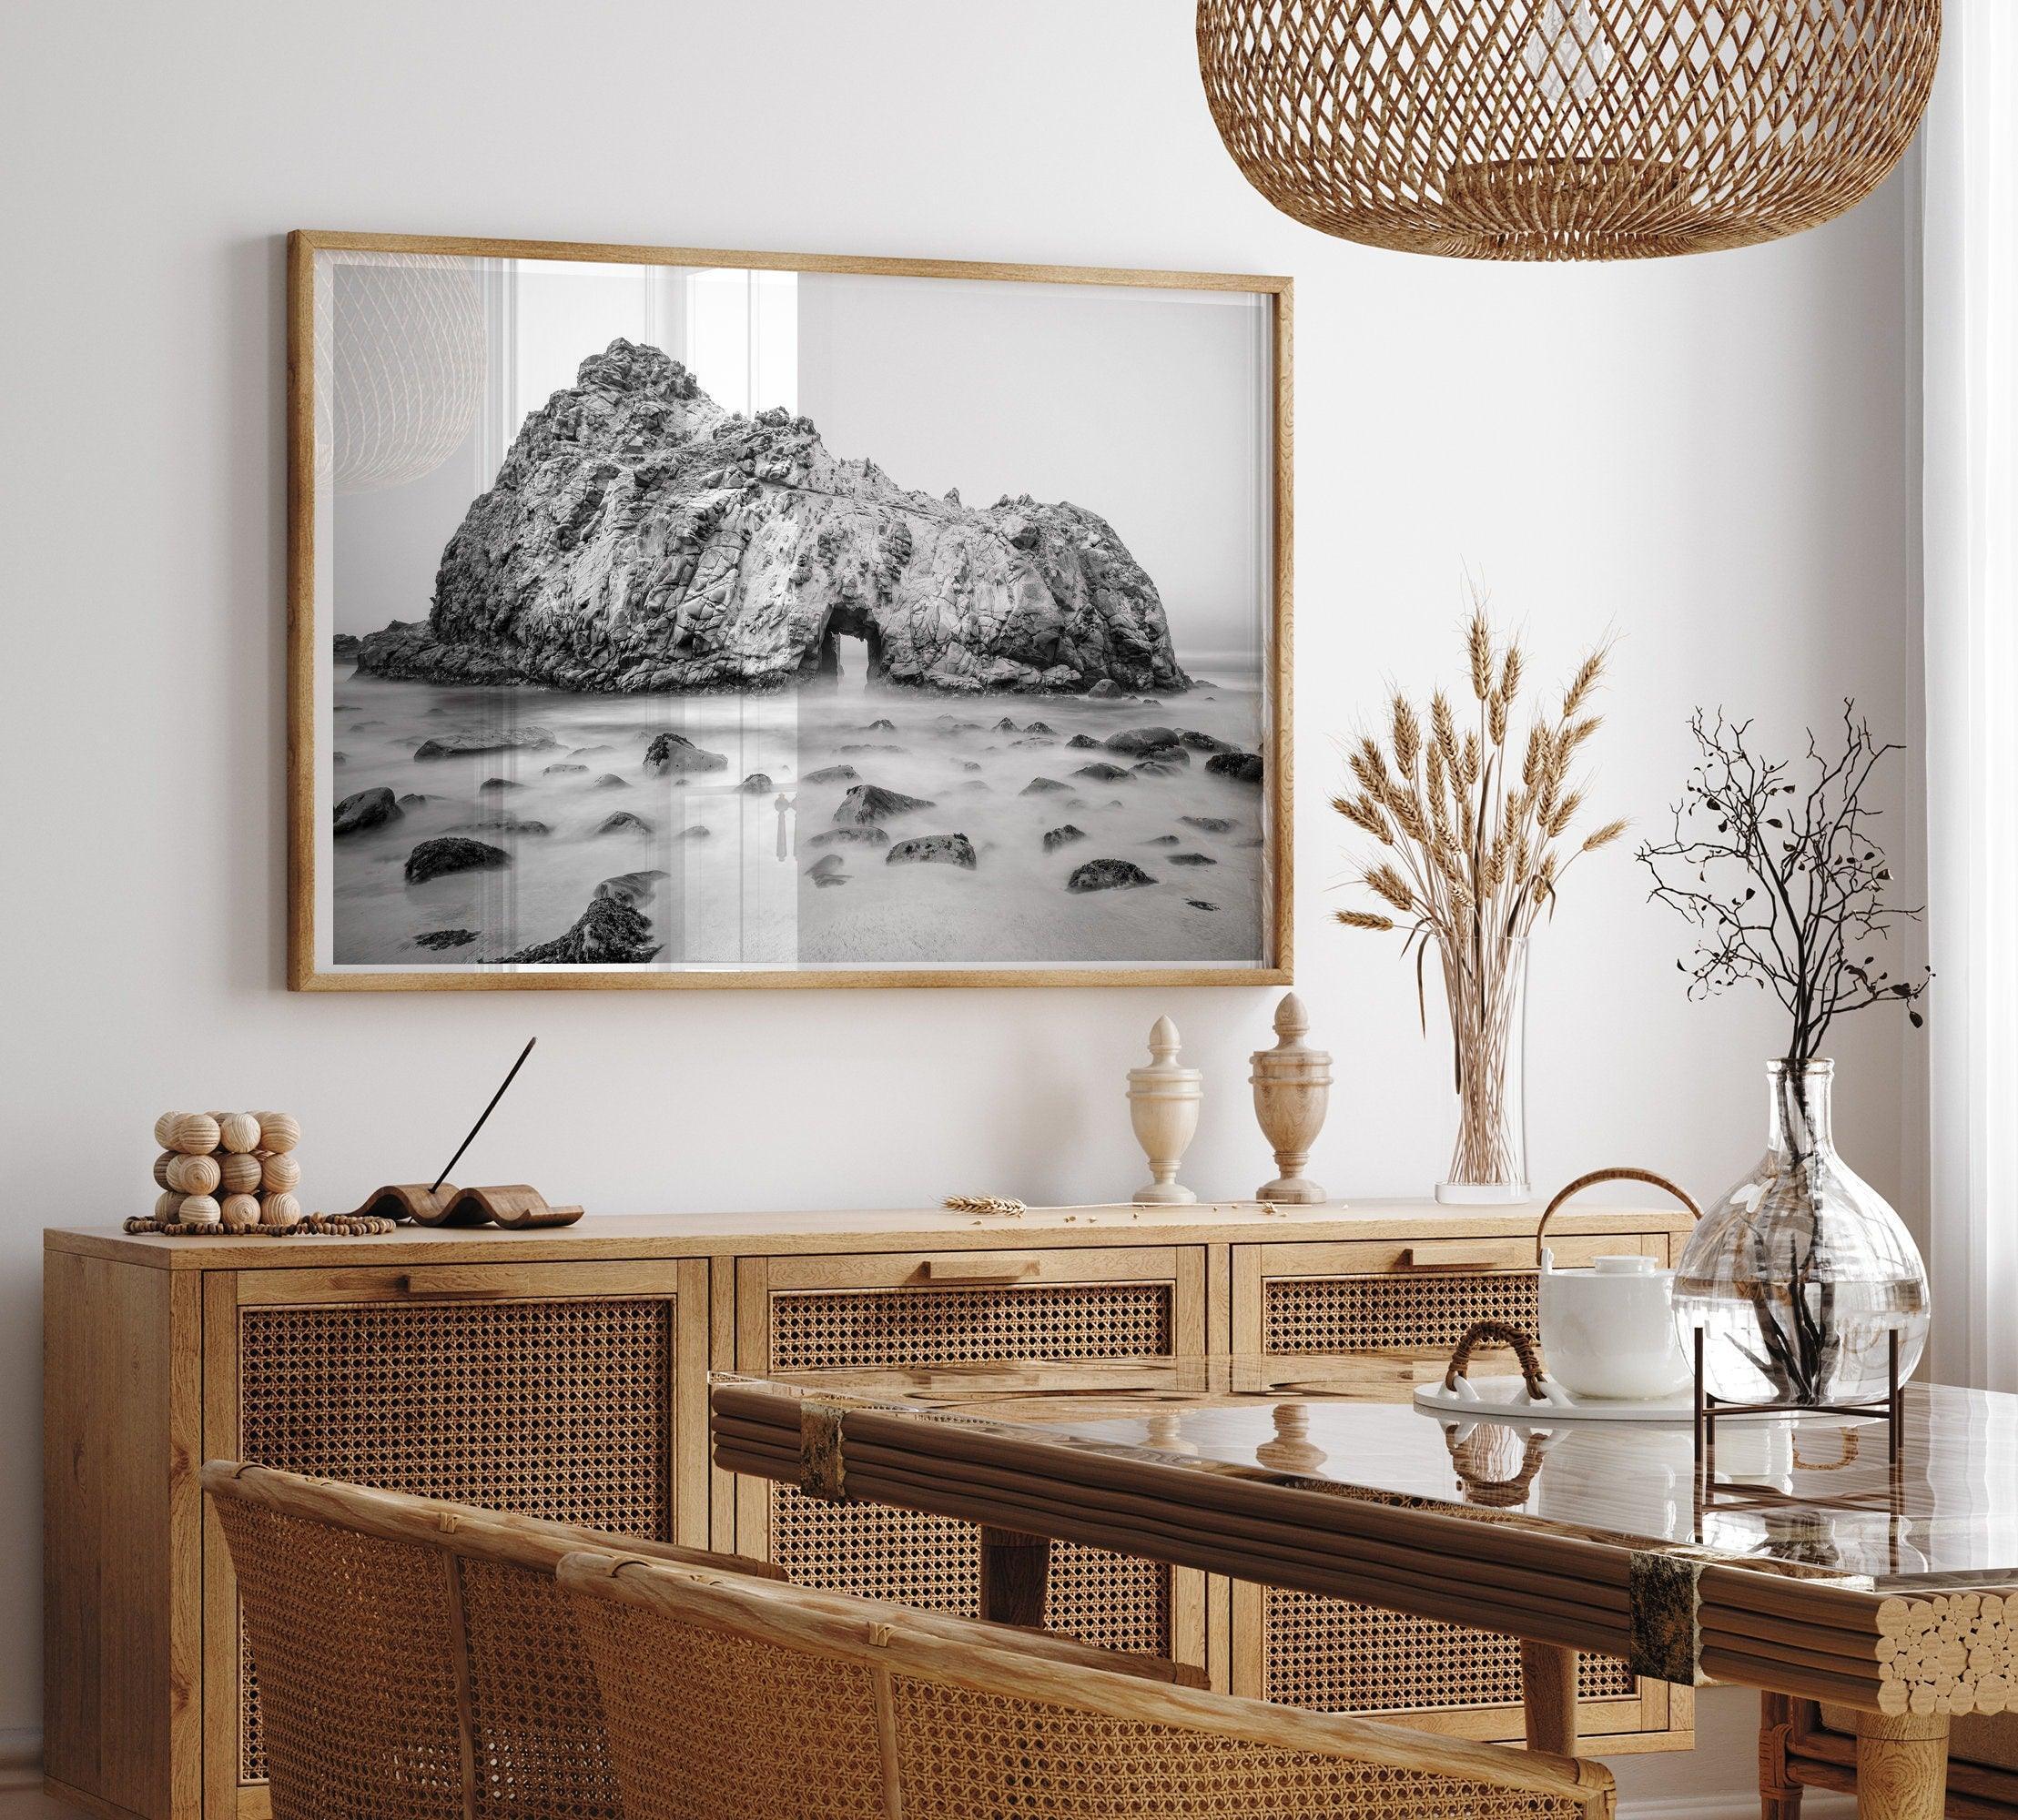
[(232, 1172)]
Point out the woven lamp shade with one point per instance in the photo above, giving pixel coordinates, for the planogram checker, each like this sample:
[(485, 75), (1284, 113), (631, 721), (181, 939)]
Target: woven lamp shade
[(1566, 129)]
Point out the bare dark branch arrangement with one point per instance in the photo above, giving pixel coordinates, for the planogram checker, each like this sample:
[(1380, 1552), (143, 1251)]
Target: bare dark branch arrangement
[(1787, 883), (1475, 824), (1778, 868)]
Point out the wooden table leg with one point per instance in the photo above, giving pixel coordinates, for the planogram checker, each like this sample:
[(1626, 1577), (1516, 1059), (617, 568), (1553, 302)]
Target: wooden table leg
[(1015, 1568), (1901, 1766), (1548, 1694), (1778, 1794)]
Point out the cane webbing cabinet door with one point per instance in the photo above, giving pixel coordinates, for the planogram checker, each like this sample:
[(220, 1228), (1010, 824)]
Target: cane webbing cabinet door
[(797, 1313), (1404, 1306), (573, 1391)]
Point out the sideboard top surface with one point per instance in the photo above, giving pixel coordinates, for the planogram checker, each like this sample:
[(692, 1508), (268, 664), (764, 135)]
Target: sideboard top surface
[(760, 1234)]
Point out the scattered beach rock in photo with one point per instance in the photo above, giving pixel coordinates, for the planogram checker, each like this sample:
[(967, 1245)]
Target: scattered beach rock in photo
[(826, 866), (1056, 838), (833, 774), (755, 784), (451, 853), (495, 739), (1108, 874), (867, 803), (1243, 767), (1083, 743), (1136, 741), (676, 752), (366, 809), (632, 888), (413, 799), (623, 823), (1044, 787), (447, 938), (610, 781), (1210, 824), (611, 932), (1192, 859), (501, 822), (562, 769), (1100, 772), (1164, 841), (858, 837), (494, 783), (933, 850), (1200, 904)]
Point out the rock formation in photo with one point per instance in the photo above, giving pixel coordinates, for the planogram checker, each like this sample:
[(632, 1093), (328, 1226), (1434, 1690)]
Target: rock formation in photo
[(639, 537)]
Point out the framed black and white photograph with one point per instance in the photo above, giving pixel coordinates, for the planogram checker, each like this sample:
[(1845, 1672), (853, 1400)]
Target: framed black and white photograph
[(670, 617)]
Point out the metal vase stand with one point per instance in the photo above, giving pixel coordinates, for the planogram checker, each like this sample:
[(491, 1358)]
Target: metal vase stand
[(1711, 1494)]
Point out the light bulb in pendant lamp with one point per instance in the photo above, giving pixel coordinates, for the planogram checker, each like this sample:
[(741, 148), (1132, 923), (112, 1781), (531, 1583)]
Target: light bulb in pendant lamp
[(1566, 129)]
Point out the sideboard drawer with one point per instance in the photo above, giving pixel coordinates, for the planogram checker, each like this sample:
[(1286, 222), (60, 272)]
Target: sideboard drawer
[(572, 1391), (916, 1309), (1405, 1305)]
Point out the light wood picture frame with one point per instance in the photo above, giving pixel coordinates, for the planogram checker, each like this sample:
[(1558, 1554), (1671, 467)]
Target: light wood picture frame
[(618, 661)]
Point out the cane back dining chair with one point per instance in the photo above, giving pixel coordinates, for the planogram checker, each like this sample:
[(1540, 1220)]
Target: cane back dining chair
[(415, 1659), (729, 1698)]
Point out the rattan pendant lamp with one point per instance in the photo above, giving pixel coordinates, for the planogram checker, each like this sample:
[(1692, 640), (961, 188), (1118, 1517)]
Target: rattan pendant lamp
[(1566, 129)]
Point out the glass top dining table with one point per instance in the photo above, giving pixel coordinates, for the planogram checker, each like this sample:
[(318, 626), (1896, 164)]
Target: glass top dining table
[(1806, 1494)]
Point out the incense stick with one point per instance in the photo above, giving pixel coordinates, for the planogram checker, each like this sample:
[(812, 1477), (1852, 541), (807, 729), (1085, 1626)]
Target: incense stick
[(483, 1116)]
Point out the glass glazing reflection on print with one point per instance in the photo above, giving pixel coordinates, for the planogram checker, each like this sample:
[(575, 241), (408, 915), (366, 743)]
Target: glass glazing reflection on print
[(716, 618)]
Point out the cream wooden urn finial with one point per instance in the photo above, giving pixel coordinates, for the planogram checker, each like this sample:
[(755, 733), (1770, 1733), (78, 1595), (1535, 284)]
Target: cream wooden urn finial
[(1292, 1089), (1162, 1105)]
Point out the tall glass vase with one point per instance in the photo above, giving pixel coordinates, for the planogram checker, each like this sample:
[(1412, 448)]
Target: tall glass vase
[(1486, 992), (1800, 1273)]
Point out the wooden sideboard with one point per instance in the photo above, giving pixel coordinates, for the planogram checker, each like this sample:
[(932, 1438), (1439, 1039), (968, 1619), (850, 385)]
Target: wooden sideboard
[(565, 1374)]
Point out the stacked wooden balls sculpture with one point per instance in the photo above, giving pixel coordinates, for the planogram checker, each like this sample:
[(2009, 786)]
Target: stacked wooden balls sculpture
[(233, 1169)]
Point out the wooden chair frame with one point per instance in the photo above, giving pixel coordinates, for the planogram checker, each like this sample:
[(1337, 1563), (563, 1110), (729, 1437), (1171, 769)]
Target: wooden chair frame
[(893, 1640)]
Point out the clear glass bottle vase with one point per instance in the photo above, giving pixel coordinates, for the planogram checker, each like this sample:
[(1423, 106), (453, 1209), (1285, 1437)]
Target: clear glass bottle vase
[(1486, 993), (1799, 1273)]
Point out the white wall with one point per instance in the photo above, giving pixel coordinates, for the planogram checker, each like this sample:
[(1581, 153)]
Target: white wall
[(1706, 456)]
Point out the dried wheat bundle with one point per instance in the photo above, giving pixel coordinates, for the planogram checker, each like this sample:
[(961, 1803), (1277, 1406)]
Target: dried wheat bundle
[(1476, 832)]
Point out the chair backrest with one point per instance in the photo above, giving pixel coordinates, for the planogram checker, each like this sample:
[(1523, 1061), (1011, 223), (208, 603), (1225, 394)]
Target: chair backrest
[(415, 1659), (728, 1698)]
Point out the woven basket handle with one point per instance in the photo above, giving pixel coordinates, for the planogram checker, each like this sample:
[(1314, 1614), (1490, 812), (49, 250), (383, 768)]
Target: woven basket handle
[(1495, 1494), (1591, 1181), (1523, 1347)]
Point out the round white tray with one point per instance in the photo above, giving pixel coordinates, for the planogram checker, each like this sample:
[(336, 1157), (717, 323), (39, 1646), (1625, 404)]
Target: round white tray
[(1507, 1400)]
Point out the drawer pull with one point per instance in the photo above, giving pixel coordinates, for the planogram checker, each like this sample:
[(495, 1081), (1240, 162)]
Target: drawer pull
[(408, 1285), (1422, 1259), (982, 1270)]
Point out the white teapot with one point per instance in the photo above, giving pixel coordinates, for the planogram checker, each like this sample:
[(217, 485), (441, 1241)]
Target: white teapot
[(1609, 1331)]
